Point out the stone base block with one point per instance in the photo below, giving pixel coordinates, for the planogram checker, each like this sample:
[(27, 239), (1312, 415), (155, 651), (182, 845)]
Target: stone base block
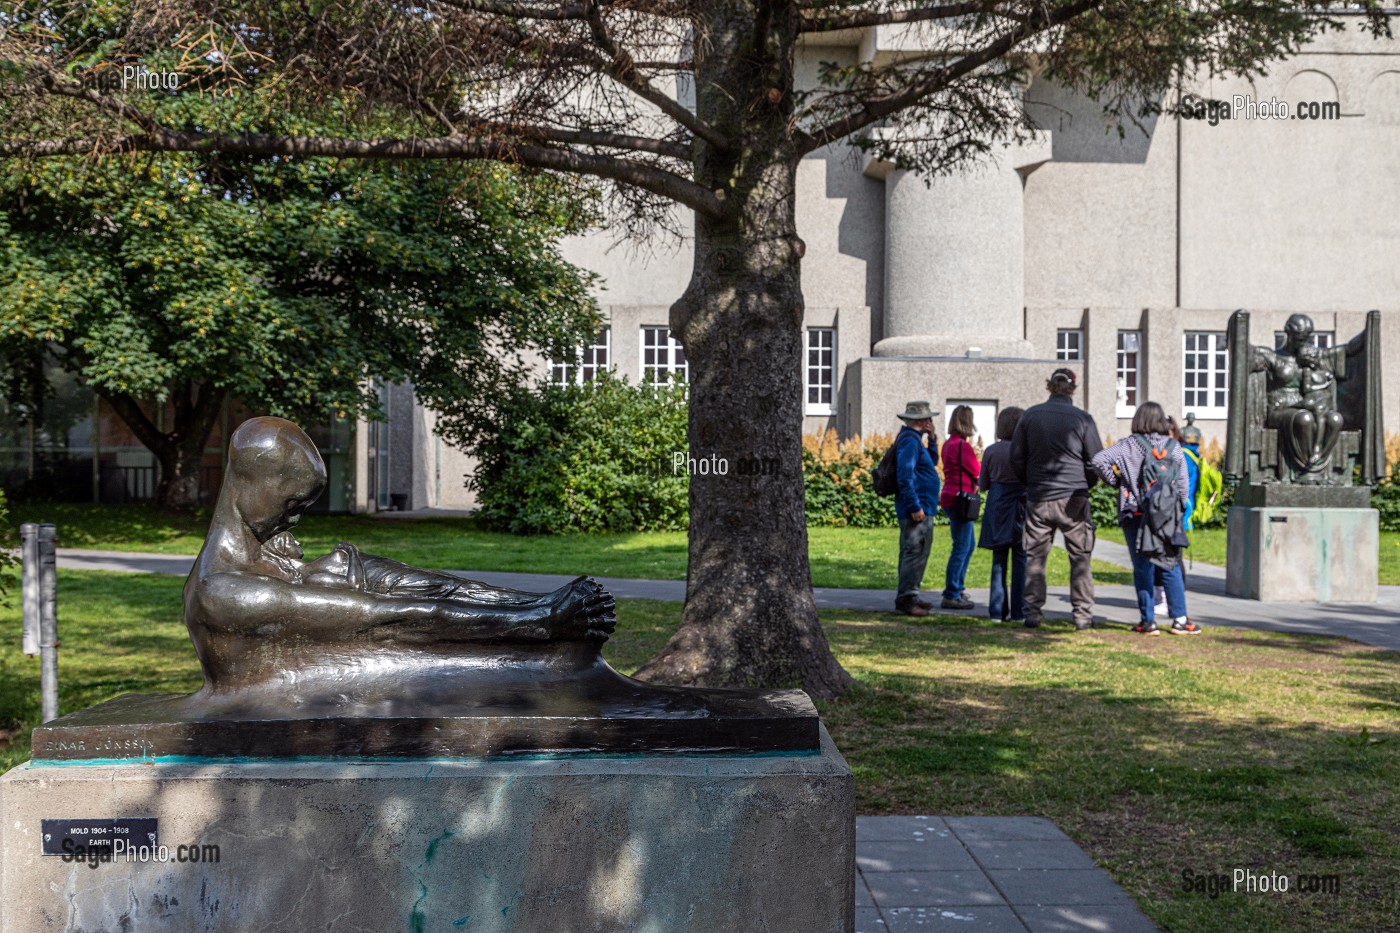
[(1303, 554), (565, 845)]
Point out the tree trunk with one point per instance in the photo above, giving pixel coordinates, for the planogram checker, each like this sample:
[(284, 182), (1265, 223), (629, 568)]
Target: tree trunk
[(179, 451), (750, 618)]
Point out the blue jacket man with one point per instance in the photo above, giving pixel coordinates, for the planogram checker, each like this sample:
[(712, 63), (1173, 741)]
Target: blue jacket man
[(915, 504)]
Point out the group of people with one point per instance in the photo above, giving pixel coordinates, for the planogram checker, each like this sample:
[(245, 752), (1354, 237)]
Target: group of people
[(1036, 479)]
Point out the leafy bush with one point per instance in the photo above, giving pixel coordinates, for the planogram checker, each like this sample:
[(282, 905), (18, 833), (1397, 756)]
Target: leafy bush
[(8, 557), (1103, 505), (592, 458), (839, 487), (1386, 499)]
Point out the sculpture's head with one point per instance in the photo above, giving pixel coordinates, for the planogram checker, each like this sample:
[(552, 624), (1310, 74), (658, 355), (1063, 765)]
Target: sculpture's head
[(274, 474), (1297, 331)]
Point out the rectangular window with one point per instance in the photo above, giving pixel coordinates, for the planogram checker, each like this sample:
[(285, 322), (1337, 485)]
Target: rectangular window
[(1069, 344), (1128, 373), (821, 369), (588, 362), (1322, 339), (1205, 370), (663, 358)]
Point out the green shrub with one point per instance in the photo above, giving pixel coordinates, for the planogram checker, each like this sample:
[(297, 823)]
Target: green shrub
[(591, 458), (1386, 500), (9, 559), (1103, 505), (838, 485)]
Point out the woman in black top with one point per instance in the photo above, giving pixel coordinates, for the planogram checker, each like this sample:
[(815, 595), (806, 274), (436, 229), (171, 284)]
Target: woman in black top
[(1004, 521)]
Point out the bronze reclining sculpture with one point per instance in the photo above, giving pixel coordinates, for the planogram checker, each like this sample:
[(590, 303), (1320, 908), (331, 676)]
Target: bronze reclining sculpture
[(355, 655)]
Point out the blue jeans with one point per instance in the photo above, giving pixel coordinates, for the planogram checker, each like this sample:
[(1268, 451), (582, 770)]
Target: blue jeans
[(964, 541), (1147, 576), (998, 605)]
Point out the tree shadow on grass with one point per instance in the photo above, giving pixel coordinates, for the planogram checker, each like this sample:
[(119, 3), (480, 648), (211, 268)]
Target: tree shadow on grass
[(1151, 764)]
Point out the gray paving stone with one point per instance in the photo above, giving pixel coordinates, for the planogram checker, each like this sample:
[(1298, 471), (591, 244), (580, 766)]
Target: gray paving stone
[(925, 853), (932, 889), (1029, 828), (899, 827), (862, 893), (1046, 887), (1099, 919), (1020, 853), (917, 919), (868, 921)]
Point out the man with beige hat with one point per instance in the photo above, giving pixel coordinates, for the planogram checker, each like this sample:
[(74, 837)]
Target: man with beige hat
[(916, 502)]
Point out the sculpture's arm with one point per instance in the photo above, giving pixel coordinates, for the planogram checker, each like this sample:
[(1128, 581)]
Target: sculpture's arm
[(247, 603)]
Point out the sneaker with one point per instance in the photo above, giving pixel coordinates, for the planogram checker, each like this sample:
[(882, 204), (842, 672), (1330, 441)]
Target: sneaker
[(957, 603), (1147, 628), (1185, 627), (1083, 626)]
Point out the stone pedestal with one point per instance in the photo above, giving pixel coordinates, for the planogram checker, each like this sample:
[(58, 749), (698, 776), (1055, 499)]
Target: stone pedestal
[(1281, 553), (565, 845)]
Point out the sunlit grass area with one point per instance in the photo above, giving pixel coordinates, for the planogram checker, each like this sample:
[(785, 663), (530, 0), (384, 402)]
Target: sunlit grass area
[(1263, 751), (857, 558)]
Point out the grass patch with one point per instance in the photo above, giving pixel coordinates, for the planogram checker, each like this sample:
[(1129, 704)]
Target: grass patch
[(1208, 547), (855, 558), (1263, 751)]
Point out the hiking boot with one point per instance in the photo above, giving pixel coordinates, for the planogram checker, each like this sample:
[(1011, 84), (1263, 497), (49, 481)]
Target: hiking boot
[(910, 607), (1147, 628), (957, 603), (1032, 622), (1185, 627), (1083, 626), (923, 604)]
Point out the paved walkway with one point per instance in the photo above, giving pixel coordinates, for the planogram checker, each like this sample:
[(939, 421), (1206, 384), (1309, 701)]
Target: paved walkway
[(1370, 623), (1001, 873)]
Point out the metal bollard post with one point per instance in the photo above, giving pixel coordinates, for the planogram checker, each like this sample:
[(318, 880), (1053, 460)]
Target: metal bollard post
[(29, 586), (48, 621)]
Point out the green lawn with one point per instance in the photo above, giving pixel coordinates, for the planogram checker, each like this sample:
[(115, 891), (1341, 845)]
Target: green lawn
[(857, 558), (1208, 547), (1264, 751)]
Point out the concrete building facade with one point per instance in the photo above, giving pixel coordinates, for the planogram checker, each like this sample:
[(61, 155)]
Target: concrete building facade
[(1119, 255)]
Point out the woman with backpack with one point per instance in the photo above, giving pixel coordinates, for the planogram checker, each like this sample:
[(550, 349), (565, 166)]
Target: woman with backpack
[(1148, 469), (961, 502)]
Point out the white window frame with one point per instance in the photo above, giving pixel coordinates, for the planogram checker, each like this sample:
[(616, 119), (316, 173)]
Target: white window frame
[(824, 366), (588, 361), (1216, 374), (671, 348), (1062, 351), (1127, 360)]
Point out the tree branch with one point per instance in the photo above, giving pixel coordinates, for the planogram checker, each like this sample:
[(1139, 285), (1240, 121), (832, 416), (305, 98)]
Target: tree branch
[(872, 111), (511, 10), (604, 138), (817, 22), (160, 139), (141, 425)]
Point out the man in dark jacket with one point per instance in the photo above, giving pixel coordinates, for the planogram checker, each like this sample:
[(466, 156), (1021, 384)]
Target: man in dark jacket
[(1050, 454), (915, 503)]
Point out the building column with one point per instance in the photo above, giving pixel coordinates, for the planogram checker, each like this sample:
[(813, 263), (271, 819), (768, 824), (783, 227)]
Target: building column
[(955, 258)]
